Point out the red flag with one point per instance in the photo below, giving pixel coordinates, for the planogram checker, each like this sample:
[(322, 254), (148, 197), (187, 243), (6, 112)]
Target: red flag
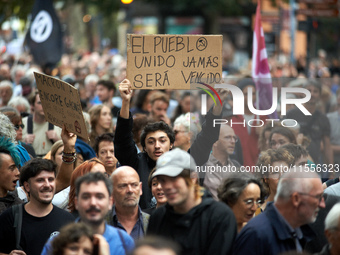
[(260, 68)]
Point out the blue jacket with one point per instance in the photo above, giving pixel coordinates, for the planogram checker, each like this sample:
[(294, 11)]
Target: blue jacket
[(112, 237), (266, 235)]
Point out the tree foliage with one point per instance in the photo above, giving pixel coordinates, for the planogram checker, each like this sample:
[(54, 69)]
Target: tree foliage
[(17, 8), (22, 8), (220, 7)]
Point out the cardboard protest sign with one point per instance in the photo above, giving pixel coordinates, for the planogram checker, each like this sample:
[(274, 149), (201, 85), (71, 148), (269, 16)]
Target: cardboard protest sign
[(61, 104), (173, 61)]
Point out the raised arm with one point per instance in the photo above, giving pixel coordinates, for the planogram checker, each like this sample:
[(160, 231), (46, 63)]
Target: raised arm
[(125, 93), (125, 148), (66, 168), (201, 147)]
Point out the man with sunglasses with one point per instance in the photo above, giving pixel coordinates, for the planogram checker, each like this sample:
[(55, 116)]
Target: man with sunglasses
[(219, 159), (297, 202)]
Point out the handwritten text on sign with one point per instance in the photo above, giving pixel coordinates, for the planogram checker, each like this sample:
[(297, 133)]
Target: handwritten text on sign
[(173, 61), (61, 104)]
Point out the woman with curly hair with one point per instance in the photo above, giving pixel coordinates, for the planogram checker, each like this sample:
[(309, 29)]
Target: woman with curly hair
[(273, 163)]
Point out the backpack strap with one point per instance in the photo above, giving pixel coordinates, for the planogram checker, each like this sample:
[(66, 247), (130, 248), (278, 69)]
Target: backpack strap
[(50, 126), (122, 240), (30, 124), (17, 214)]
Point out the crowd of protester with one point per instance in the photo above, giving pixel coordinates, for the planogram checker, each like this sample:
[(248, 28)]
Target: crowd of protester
[(157, 176)]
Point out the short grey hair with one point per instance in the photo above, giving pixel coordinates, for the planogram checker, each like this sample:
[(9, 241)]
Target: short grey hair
[(333, 217), (91, 77), (190, 122), (19, 100), (6, 84), (17, 68), (7, 128), (295, 180)]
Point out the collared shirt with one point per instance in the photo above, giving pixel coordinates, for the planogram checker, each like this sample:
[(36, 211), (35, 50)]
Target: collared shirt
[(213, 178), (137, 231), (296, 233)]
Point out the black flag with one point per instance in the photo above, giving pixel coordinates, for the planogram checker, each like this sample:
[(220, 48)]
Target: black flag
[(44, 37)]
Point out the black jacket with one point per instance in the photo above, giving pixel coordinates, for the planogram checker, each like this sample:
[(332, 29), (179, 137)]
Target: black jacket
[(126, 151), (127, 155), (208, 228)]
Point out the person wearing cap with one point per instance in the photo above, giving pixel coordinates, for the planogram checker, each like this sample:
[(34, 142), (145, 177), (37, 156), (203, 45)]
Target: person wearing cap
[(191, 217), (158, 138), (315, 126)]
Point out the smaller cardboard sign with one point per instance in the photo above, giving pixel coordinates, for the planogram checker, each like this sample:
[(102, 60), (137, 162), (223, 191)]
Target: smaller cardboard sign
[(173, 61), (61, 104)]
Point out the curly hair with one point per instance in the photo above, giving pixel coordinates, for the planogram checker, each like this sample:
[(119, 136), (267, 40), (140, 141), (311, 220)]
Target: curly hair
[(7, 128), (70, 233), (268, 157), (157, 126), (297, 151)]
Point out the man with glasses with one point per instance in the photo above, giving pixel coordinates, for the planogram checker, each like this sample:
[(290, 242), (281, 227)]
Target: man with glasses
[(277, 230), (219, 159)]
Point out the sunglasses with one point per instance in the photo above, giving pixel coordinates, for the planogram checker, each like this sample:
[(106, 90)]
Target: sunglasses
[(16, 127)]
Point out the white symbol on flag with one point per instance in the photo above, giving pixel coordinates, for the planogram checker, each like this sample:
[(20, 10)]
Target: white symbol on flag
[(42, 26)]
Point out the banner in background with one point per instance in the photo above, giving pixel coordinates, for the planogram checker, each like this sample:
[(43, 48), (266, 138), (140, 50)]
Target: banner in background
[(260, 68), (44, 37)]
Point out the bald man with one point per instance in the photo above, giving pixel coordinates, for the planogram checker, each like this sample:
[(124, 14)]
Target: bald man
[(126, 213), (219, 158)]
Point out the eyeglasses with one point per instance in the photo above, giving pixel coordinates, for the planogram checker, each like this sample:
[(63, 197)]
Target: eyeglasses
[(230, 137), (318, 197), (178, 131), (250, 202), (16, 127)]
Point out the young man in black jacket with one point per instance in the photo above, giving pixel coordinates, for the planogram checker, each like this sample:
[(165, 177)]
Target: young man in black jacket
[(196, 221), (158, 138)]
